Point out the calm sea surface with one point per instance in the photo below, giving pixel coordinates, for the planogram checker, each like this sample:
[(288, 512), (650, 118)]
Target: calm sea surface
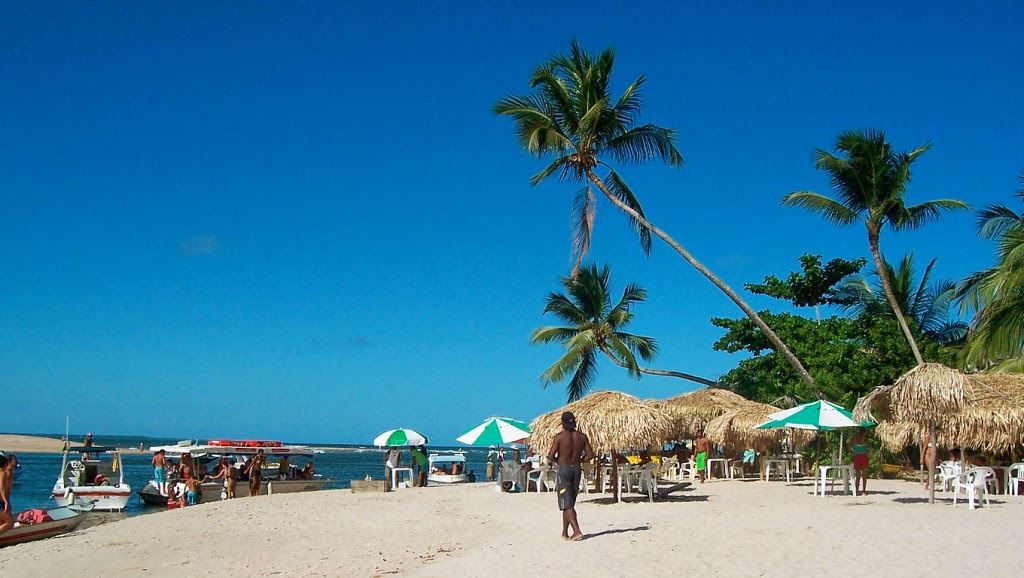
[(340, 463)]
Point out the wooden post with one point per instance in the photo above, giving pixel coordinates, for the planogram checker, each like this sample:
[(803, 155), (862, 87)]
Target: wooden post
[(615, 475), (931, 467)]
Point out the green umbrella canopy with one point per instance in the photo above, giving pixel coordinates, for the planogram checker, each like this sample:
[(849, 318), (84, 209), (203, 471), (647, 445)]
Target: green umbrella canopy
[(400, 437), (495, 431), (816, 415)]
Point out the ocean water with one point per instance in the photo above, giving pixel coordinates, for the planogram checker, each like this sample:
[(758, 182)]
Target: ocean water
[(340, 463)]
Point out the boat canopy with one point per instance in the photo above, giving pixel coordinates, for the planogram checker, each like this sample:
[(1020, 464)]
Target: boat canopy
[(206, 449), (450, 457)]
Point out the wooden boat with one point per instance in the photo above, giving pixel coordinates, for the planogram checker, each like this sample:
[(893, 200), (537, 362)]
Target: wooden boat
[(62, 521)]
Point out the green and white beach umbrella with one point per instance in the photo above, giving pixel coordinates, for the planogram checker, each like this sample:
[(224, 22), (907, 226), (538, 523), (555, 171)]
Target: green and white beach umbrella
[(817, 415), (400, 437), (495, 431)]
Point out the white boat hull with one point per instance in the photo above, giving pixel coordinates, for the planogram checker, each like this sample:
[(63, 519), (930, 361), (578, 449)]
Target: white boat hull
[(103, 498), (213, 491), (446, 479)]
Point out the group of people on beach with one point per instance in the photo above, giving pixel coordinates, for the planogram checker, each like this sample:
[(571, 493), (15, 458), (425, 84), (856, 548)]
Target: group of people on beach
[(191, 475)]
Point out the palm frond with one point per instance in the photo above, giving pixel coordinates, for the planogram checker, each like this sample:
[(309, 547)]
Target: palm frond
[(995, 220), (549, 334), (621, 190), (563, 308), (645, 347), (645, 143), (622, 352), (583, 377), (563, 165), (833, 211), (584, 209), (914, 216)]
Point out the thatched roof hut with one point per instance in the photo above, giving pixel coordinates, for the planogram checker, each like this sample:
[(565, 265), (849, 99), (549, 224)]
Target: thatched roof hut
[(737, 429), (692, 412), (612, 420), (991, 418), (925, 395)]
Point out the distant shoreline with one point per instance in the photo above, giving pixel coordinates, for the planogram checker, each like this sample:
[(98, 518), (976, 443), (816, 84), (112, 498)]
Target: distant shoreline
[(15, 443)]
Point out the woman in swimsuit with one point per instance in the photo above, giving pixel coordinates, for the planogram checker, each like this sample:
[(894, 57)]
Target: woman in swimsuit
[(859, 449)]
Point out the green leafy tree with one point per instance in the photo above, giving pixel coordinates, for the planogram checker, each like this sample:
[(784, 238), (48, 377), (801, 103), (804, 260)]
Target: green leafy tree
[(594, 325), (996, 295), (848, 355), (573, 116), (871, 179), (814, 286)]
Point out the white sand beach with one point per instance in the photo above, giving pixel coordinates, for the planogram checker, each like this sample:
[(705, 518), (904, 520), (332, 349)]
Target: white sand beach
[(747, 528), (23, 443)]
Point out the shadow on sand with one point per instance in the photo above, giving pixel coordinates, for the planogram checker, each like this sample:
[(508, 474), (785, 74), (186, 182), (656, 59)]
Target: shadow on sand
[(616, 531)]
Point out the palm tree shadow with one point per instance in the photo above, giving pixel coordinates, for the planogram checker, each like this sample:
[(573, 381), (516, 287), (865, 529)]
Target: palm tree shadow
[(616, 531), (944, 501), (643, 499)]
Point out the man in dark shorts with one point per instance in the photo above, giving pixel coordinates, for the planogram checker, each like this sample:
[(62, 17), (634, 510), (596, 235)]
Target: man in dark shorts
[(569, 449)]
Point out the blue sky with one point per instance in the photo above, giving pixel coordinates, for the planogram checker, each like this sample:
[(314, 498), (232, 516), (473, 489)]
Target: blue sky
[(302, 221)]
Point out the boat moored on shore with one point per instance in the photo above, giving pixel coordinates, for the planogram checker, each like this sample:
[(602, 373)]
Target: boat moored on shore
[(96, 477)]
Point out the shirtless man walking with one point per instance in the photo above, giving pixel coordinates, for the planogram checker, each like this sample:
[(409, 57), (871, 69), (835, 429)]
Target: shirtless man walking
[(701, 446), (569, 449)]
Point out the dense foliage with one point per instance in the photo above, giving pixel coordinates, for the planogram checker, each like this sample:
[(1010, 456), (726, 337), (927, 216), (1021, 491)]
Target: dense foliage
[(848, 354)]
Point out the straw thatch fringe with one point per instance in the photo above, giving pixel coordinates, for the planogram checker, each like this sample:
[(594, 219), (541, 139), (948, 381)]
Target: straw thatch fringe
[(692, 412), (612, 420), (990, 416)]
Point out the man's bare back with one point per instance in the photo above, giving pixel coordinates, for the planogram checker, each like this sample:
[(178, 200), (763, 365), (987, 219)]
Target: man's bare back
[(570, 448)]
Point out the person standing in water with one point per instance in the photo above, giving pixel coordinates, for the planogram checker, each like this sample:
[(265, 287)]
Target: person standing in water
[(569, 449)]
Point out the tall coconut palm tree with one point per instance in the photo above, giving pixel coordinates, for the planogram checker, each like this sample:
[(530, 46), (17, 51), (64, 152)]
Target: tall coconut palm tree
[(997, 294), (595, 325), (926, 301), (871, 180), (573, 117)]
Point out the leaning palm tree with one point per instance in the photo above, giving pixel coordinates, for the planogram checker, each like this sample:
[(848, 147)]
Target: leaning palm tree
[(573, 116), (928, 302), (594, 325), (997, 294), (871, 180)]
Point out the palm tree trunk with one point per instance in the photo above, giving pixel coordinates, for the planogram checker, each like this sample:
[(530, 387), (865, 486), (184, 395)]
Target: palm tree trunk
[(754, 317), (662, 372), (883, 274)]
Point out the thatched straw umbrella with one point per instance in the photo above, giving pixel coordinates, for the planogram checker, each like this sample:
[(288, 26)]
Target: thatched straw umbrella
[(613, 421), (991, 420), (931, 397), (692, 412), (738, 428)]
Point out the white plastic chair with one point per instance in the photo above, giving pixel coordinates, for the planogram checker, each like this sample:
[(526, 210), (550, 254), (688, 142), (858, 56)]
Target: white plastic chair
[(948, 473), (1014, 476), (538, 476), (974, 482)]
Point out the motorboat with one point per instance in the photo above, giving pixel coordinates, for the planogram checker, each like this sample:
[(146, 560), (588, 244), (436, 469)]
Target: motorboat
[(95, 477), (239, 452), (61, 521), (447, 467)]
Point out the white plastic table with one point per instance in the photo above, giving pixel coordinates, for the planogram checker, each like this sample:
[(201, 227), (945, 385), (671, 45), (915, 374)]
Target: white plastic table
[(725, 467), (780, 464), (845, 470), (394, 476)]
